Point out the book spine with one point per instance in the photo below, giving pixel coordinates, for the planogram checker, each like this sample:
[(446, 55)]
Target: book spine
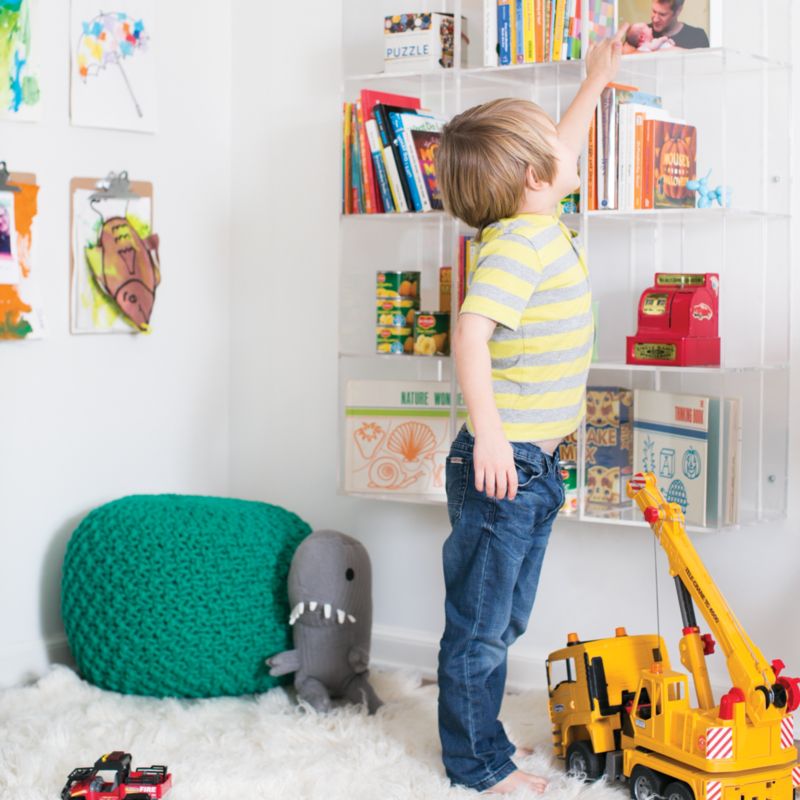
[(591, 170), (576, 33), (374, 141), (381, 122), (504, 31), (623, 160), (366, 162), (347, 200), (551, 8), (538, 14), (490, 58), (398, 159), (358, 201), (405, 160), (530, 32), (512, 37), (519, 13), (647, 163), (558, 30), (565, 46), (393, 177), (416, 171), (602, 145), (637, 161)]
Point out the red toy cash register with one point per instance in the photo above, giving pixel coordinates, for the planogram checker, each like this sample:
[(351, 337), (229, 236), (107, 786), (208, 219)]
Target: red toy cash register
[(678, 322)]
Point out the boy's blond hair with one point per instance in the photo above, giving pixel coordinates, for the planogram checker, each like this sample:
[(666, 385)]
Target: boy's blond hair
[(484, 155)]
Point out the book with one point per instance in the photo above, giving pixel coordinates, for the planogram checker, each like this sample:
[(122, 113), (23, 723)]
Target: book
[(558, 29), (366, 163), (520, 17), (608, 445), (674, 163), (529, 19), (512, 35), (426, 143), (538, 13), (347, 148), (382, 112), (397, 436), (490, 48), (376, 149), (680, 439), (504, 31), (629, 107)]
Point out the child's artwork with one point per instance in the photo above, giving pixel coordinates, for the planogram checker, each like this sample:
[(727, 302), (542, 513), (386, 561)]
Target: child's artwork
[(660, 27), (113, 81), (19, 68), (115, 268), (20, 309)]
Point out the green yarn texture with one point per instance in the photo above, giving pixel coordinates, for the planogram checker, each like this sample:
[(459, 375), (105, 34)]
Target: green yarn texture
[(180, 596)]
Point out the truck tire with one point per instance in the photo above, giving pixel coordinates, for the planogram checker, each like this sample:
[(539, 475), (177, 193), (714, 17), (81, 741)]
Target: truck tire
[(646, 783), (678, 790), (583, 763)]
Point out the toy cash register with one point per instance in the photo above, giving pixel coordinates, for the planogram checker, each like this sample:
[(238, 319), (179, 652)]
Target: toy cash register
[(678, 322)]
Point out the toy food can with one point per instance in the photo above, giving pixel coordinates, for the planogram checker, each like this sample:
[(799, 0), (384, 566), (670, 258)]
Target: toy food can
[(389, 308), (445, 288), (431, 333), (395, 340), (397, 284), (569, 475)]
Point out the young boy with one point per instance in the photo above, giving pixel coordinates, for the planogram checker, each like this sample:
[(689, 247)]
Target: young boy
[(522, 347)]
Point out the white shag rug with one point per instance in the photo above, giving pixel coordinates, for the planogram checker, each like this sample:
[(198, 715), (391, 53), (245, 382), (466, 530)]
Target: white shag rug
[(262, 747)]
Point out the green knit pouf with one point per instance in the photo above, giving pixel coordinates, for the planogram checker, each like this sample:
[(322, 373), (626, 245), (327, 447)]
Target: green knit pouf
[(180, 596)]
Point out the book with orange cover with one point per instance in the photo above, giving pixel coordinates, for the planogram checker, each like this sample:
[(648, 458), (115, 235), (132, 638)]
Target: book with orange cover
[(674, 164), (367, 173)]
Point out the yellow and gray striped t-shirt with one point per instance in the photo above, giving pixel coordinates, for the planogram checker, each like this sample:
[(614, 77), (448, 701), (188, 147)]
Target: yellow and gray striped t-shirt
[(531, 278)]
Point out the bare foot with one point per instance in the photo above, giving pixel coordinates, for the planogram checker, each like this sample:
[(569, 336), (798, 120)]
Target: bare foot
[(523, 752), (516, 780)]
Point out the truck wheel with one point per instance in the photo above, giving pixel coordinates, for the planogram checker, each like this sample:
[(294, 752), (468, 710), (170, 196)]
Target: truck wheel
[(646, 784), (678, 790), (583, 763)]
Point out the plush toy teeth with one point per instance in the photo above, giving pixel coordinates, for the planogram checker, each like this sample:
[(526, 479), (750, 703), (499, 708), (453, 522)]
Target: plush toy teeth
[(312, 606), (351, 618), (340, 615), (327, 610)]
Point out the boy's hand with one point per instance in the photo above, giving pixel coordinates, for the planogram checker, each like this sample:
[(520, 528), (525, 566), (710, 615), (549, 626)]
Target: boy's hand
[(493, 461), (603, 58)]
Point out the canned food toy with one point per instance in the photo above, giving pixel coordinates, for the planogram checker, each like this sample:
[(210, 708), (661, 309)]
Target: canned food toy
[(569, 475), (445, 288), (431, 333), (394, 340), (397, 284), (393, 319)]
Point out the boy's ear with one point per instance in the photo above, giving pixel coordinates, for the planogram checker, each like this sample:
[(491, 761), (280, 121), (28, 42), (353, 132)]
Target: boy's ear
[(532, 182)]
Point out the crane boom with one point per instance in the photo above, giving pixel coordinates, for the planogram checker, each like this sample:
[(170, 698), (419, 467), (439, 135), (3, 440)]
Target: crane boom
[(766, 695)]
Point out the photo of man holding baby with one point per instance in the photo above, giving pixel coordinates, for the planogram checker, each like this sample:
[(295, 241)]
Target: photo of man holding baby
[(665, 29)]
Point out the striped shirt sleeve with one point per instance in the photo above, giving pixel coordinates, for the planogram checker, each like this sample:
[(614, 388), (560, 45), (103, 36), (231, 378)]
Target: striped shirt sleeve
[(506, 274)]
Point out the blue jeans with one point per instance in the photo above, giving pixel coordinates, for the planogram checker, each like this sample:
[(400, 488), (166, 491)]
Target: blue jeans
[(492, 560)]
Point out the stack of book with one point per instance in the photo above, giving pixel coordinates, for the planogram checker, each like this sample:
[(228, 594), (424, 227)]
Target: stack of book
[(640, 157), (388, 159), (535, 31)]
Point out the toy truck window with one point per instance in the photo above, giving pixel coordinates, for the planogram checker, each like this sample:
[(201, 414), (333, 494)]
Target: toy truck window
[(105, 780), (560, 671), (644, 708), (675, 691)]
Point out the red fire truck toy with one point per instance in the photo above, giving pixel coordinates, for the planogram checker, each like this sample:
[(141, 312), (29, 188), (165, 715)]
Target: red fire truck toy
[(111, 778)]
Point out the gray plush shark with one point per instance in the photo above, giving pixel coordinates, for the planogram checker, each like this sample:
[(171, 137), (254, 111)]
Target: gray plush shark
[(330, 594)]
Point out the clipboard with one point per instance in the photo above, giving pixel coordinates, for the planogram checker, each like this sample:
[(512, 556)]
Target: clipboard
[(107, 188), (22, 299)]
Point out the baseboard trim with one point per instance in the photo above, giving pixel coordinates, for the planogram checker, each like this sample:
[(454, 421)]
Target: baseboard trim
[(404, 648)]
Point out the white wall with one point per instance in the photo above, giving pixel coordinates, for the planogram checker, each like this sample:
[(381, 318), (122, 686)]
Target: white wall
[(284, 425), (88, 419)]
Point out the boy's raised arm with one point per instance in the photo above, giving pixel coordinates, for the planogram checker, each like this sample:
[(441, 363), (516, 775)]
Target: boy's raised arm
[(602, 65)]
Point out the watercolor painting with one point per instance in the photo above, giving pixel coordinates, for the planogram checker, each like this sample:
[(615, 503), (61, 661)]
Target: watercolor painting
[(19, 68), (20, 306), (115, 265), (113, 71)]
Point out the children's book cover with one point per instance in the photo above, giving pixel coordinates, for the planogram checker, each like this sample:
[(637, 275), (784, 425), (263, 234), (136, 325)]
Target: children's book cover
[(609, 444), (671, 440), (397, 436), (426, 143), (674, 164)]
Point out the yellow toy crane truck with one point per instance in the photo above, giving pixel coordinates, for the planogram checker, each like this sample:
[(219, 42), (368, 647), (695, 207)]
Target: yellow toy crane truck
[(617, 708)]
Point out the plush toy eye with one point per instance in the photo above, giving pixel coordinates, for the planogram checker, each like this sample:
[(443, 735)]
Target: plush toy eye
[(349, 574)]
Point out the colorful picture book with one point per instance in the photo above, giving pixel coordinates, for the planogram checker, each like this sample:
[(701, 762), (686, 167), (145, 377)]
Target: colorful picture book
[(389, 155), (681, 439), (397, 436), (608, 447)]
